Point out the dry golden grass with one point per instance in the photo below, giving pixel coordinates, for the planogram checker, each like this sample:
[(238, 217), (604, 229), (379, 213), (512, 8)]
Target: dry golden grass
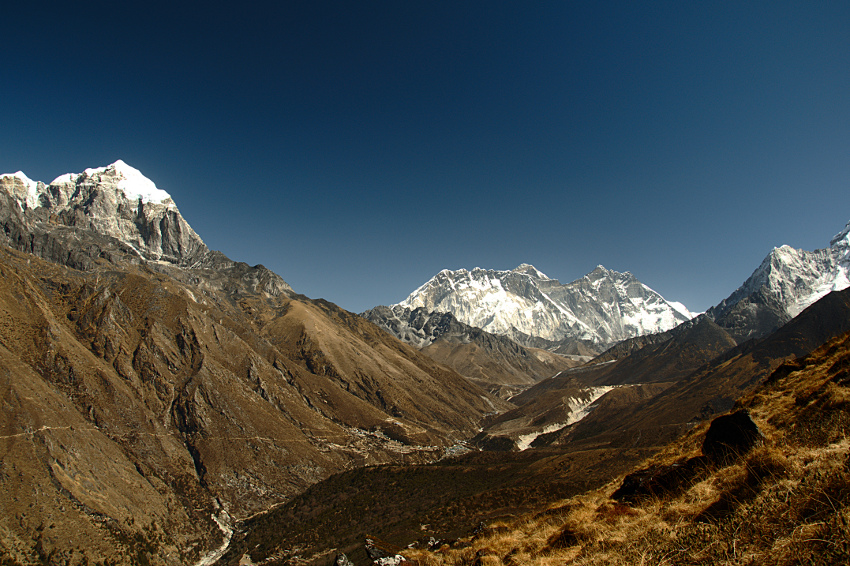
[(786, 502)]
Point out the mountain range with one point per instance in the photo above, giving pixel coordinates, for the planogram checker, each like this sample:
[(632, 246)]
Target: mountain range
[(161, 400), (600, 309), (606, 308)]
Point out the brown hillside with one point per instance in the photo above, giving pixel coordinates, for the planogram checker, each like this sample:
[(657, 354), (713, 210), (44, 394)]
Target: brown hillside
[(140, 403), (504, 373)]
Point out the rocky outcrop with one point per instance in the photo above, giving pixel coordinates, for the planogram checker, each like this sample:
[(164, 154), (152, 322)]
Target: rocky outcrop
[(384, 554), (661, 481), (731, 436), (728, 438), (421, 328)]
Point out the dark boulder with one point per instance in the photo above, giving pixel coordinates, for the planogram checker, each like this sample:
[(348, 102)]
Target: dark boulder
[(731, 436), (660, 481)]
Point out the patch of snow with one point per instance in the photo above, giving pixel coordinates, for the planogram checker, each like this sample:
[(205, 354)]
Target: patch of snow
[(579, 408), (682, 309), (134, 185), (130, 181), (63, 179)]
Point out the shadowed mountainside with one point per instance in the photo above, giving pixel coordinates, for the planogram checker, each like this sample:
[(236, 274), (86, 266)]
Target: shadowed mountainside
[(494, 362)]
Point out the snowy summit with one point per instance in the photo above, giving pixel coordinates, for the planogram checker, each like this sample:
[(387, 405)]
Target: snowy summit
[(130, 181), (115, 201)]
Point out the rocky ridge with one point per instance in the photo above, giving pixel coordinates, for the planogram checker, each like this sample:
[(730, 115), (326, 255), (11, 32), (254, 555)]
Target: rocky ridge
[(495, 362)]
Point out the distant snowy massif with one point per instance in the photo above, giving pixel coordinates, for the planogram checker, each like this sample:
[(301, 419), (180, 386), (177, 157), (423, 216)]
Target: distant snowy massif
[(601, 308), (605, 307)]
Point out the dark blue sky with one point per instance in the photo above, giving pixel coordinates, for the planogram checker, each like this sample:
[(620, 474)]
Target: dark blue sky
[(358, 148)]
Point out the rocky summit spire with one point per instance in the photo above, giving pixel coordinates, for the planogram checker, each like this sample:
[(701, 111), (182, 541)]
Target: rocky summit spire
[(116, 201), (788, 281)]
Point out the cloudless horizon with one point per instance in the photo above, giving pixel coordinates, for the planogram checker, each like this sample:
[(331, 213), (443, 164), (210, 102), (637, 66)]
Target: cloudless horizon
[(358, 148)]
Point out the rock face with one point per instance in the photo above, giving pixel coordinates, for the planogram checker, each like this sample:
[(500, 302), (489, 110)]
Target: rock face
[(115, 201), (419, 327), (601, 308), (728, 437), (155, 391), (786, 282)]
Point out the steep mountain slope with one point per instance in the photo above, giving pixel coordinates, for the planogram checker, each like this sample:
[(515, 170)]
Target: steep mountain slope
[(786, 282), (602, 307), (593, 391), (713, 387), (495, 362), (155, 390)]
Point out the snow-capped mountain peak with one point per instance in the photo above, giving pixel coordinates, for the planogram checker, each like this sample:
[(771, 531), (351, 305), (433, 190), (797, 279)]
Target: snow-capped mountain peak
[(602, 307), (786, 283), (117, 201), (135, 185), (529, 269), (129, 180), (25, 189), (23, 178)]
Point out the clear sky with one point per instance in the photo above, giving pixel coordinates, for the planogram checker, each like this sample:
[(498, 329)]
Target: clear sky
[(358, 148)]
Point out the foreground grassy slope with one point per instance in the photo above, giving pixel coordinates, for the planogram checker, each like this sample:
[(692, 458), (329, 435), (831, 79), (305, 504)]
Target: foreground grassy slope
[(786, 502)]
